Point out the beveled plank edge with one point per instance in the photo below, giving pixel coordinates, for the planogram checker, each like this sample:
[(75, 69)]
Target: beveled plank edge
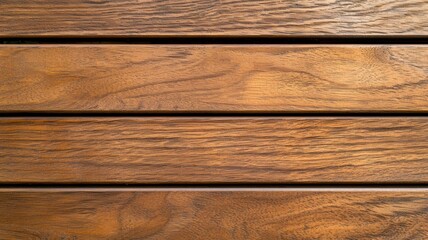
[(213, 45), (190, 36), (215, 189), (214, 116), (213, 113), (206, 35)]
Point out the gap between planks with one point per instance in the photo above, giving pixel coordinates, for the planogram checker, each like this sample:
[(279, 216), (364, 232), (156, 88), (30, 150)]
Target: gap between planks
[(215, 189), (250, 40)]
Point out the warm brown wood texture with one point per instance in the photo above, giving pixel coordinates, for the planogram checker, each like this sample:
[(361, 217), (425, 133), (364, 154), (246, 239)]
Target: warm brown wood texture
[(212, 18), (214, 215), (214, 150), (213, 78)]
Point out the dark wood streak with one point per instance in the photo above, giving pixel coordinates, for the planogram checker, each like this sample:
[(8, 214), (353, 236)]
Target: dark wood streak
[(213, 78), (214, 150), (212, 18), (214, 215)]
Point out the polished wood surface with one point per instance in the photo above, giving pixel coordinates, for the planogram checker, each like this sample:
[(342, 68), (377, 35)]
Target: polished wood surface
[(212, 18), (214, 150), (213, 78), (214, 215), (145, 119)]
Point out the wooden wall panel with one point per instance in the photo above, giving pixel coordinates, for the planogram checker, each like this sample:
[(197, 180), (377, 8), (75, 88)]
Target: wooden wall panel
[(213, 78), (212, 18), (214, 150), (214, 214), (109, 118)]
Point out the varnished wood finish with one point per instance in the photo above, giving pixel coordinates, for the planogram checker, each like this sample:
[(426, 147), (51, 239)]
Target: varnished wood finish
[(130, 174), (212, 18), (213, 78), (214, 215), (214, 150)]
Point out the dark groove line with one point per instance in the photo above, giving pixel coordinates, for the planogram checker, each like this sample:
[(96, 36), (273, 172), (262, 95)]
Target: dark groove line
[(221, 40), (83, 114), (215, 185)]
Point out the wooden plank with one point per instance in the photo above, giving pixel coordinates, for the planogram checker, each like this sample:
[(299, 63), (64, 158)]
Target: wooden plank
[(212, 18), (214, 150), (214, 215), (213, 78)]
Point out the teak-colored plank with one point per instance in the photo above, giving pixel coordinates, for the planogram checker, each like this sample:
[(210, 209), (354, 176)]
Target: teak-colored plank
[(212, 18), (213, 78), (214, 150), (214, 215)]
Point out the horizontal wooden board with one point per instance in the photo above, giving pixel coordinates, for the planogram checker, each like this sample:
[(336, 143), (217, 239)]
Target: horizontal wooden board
[(214, 150), (214, 215), (213, 78), (212, 18)]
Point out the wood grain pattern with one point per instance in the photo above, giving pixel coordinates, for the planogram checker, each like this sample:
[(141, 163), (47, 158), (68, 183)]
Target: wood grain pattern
[(214, 215), (213, 78), (212, 18), (214, 150)]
